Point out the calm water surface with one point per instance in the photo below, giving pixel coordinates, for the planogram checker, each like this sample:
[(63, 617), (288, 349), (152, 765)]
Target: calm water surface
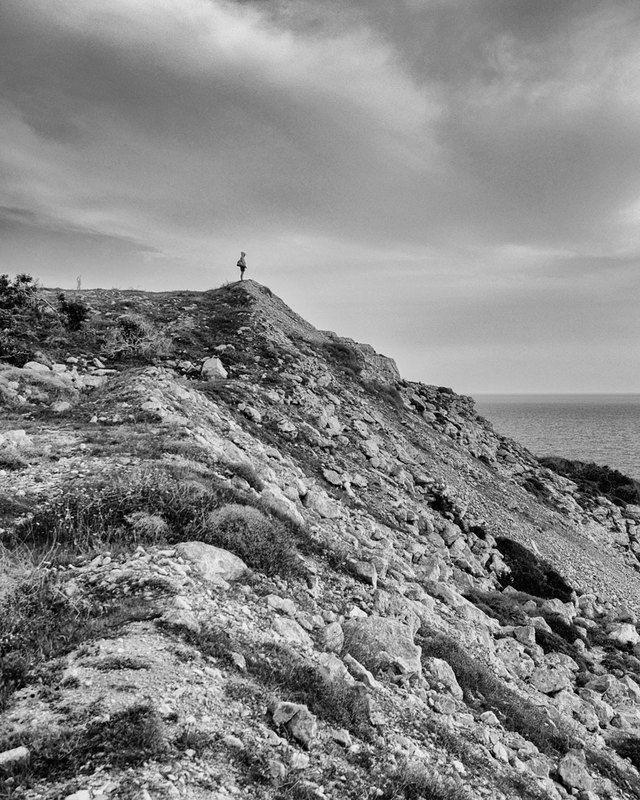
[(601, 428)]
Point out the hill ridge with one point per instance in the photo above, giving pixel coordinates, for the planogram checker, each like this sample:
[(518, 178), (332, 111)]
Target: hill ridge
[(245, 557)]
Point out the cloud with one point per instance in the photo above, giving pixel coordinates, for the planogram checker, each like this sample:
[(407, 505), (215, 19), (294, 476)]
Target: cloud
[(163, 120), (453, 173)]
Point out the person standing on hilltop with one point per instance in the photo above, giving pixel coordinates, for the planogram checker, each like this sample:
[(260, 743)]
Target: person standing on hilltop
[(242, 264)]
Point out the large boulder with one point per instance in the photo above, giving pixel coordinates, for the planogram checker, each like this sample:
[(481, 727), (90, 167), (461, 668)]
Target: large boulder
[(214, 564), (299, 722), (380, 643), (212, 369), (572, 771), (442, 675), (549, 680), (513, 656), (623, 633)]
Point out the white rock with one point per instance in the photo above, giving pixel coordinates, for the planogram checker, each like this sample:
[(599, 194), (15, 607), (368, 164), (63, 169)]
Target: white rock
[(212, 369), (214, 564), (36, 366), (13, 758), (292, 632)]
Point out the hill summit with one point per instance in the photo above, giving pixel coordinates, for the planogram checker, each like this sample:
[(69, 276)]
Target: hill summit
[(242, 557)]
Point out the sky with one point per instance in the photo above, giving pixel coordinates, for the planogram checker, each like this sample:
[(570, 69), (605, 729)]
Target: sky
[(456, 182)]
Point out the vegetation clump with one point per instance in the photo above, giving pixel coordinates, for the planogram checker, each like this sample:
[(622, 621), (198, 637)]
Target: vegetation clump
[(531, 574), (28, 320), (594, 480), (345, 357), (156, 505), (135, 336), (484, 692), (40, 621)]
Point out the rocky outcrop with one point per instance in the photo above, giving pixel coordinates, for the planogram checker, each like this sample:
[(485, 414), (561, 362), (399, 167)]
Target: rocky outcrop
[(310, 576)]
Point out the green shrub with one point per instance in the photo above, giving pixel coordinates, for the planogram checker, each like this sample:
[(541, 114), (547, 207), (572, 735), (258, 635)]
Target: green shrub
[(628, 747), (385, 392), (505, 608), (531, 574), (11, 459), (17, 293), (107, 511), (22, 318), (508, 611), (152, 506), (245, 471)]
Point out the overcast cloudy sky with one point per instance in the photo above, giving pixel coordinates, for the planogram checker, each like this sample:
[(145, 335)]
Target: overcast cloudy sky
[(456, 182)]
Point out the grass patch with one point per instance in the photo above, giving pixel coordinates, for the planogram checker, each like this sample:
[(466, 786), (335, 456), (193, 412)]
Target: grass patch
[(385, 392), (123, 739), (628, 747), (625, 778), (508, 611), (279, 668), (157, 506), (247, 472), (39, 622), (484, 692), (335, 702), (414, 782)]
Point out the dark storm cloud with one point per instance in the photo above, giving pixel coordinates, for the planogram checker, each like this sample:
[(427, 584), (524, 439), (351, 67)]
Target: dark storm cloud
[(464, 172)]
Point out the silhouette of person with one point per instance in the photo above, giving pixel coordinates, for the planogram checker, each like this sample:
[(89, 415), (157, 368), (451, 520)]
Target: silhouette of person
[(242, 264)]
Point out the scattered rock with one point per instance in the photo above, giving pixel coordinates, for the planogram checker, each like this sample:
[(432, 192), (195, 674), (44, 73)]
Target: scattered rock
[(297, 720)]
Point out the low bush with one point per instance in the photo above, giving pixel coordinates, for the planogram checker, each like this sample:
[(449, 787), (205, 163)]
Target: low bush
[(484, 692), (75, 312), (245, 471), (11, 459), (250, 534), (505, 608), (344, 356), (135, 336), (628, 747), (531, 574), (152, 506), (594, 480), (385, 392), (508, 611)]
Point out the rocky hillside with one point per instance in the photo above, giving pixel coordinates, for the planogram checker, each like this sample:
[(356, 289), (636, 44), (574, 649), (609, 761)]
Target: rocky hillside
[(242, 557)]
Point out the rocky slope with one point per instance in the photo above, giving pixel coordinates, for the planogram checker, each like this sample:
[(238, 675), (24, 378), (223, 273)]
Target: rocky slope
[(244, 558)]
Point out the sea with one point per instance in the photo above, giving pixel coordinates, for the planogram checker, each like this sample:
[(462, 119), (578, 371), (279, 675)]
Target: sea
[(599, 428)]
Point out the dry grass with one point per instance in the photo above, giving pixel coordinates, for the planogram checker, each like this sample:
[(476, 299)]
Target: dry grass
[(40, 622), (484, 692)]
